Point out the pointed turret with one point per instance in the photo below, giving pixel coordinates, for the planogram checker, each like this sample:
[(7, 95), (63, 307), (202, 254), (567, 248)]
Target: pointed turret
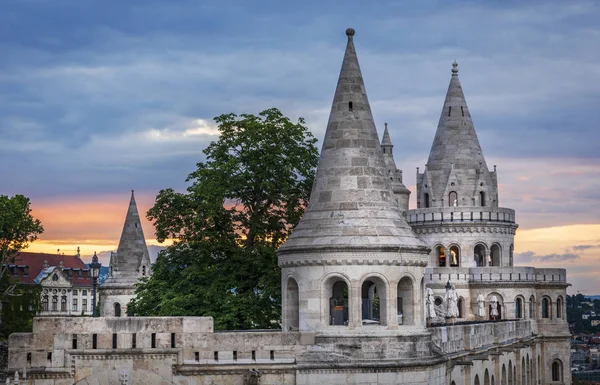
[(351, 204), (132, 258), (401, 193), (456, 162)]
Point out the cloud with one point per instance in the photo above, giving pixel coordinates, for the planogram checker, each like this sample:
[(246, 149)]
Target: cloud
[(584, 247), (532, 257)]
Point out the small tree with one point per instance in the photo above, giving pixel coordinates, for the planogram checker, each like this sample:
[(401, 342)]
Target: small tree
[(18, 228), (242, 204)]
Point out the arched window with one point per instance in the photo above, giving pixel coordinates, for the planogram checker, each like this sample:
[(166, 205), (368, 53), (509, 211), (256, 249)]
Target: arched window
[(374, 301), (63, 303), (405, 302), (338, 303), (54, 303), (528, 370), (511, 252), (559, 307), (518, 308), (523, 375), (441, 256), (482, 198), (45, 303), (486, 378), (117, 309), (557, 371), (545, 308), (532, 307), (426, 199), (452, 199), (292, 305), (480, 253), (476, 382), (55, 277), (493, 381), (510, 373), (460, 305), (503, 376), (495, 255), (454, 256)]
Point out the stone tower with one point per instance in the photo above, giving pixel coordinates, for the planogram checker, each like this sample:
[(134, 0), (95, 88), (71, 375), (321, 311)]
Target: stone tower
[(401, 193), (352, 265), (130, 263)]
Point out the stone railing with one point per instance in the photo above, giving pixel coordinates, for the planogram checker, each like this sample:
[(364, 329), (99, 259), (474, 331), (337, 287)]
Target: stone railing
[(452, 339), (441, 275), (460, 214)]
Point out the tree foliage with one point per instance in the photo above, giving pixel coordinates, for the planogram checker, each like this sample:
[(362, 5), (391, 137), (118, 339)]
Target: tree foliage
[(18, 228), (242, 203)]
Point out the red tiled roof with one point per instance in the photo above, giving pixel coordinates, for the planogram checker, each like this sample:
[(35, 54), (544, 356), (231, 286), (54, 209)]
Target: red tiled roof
[(35, 264)]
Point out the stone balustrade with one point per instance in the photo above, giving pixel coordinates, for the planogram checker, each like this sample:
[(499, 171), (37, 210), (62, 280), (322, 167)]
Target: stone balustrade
[(460, 214), (457, 338), (458, 275)]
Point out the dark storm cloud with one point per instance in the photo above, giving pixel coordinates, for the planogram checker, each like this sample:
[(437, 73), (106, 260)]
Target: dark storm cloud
[(101, 96)]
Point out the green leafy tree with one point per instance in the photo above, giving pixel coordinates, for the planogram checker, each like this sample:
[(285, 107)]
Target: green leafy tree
[(242, 204), (18, 228)]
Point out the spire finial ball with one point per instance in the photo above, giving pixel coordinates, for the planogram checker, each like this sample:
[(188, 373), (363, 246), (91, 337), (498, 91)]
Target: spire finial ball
[(350, 32), (455, 67)]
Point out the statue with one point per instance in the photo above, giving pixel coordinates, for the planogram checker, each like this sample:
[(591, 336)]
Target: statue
[(452, 303), (480, 305), (494, 307), (430, 304)]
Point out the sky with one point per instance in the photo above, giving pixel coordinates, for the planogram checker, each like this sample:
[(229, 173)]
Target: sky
[(99, 98)]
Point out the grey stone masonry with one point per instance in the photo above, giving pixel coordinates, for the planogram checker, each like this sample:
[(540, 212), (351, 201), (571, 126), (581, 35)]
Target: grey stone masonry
[(401, 193), (352, 203), (132, 258), (456, 163)]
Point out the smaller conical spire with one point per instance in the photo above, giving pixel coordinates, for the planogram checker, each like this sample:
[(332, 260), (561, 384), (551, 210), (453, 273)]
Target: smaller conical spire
[(132, 253), (386, 141)]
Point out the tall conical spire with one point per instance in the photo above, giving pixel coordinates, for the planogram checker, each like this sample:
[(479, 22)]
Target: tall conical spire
[(456, 150), (132, 256), (351, 204)]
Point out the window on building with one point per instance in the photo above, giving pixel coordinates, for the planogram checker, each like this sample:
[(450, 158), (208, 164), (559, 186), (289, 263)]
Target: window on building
[(84, 305), (45, 303), (519, 308), (55, 277), (173, 340), (134, 341), (545, 308), (556, 371), (153, 340), (426, 199), (84, 293), (54, 303), (94, 341), (28, 358), (74, 342), (454, 256), (349, 106), (114, 341), (338, 303), (453, 199), (559, 308), (117, 309), (482, 198), (74, 304), (197, 356), (531, 307), (26, 270), (63, 303), (441, 256), (143, 270)]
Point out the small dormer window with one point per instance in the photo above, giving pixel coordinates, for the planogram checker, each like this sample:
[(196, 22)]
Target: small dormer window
[(26, 270), (55, 277)]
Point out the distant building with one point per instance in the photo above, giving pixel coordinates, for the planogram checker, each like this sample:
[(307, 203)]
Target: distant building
[(66, 286)]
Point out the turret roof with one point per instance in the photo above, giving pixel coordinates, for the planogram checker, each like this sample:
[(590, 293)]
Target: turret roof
[(351, 204)]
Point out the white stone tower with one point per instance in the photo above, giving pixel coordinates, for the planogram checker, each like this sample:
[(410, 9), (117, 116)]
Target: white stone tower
[(127, 266), (353, 266), (457, 196)]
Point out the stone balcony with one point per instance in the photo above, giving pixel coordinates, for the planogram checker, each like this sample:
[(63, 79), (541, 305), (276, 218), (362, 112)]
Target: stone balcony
[(494, 274), (460, 214), (458, 338)]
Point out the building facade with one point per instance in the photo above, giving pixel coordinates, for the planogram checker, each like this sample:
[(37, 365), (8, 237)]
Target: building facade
[(64, 282), (356, 275)]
